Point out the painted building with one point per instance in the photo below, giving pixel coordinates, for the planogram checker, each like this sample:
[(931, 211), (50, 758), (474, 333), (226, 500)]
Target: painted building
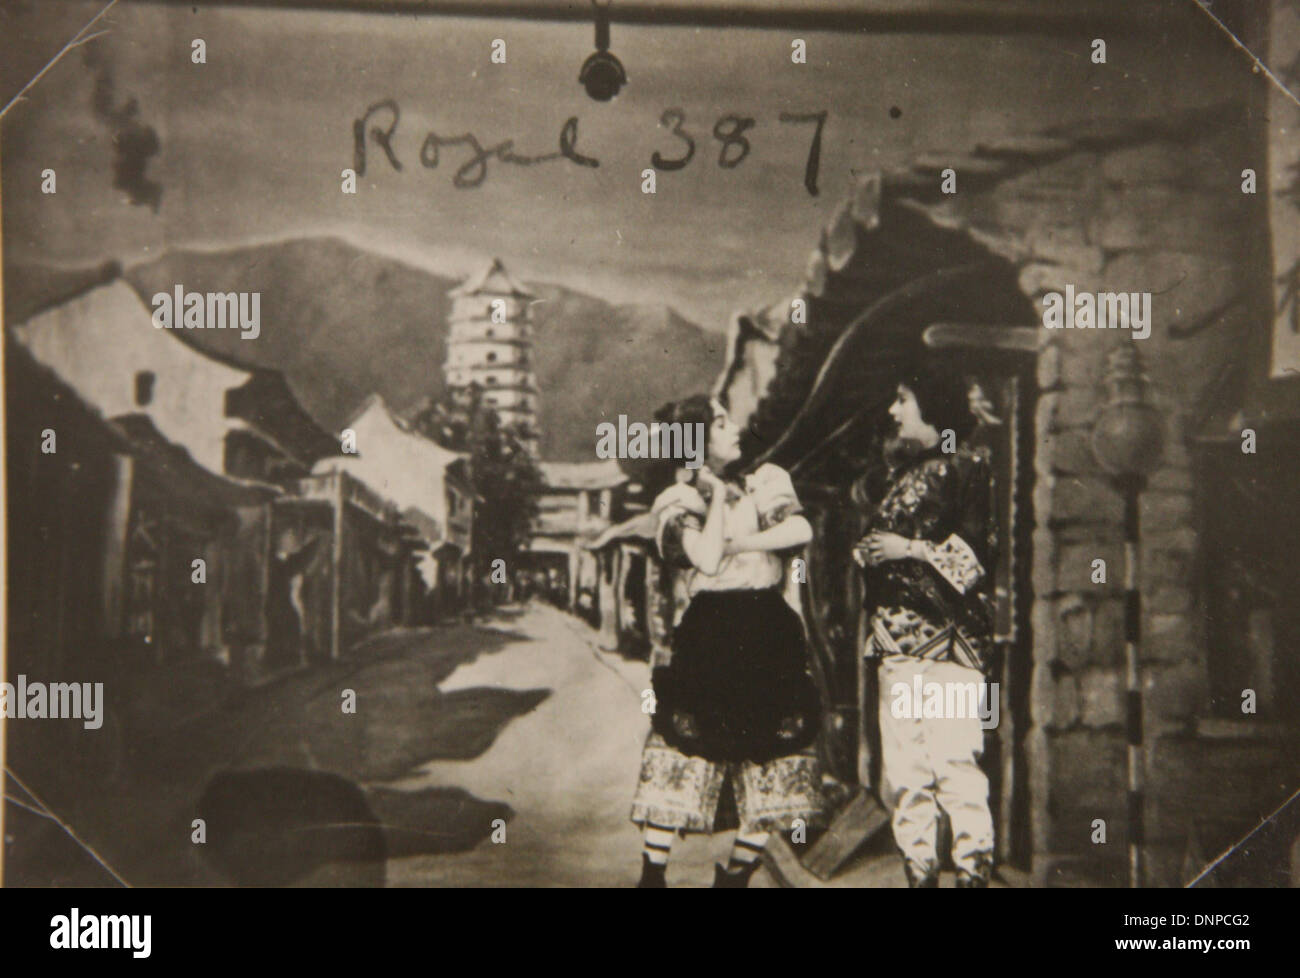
[(351, 558), (635, 590), (579, 502), (105, 520), (490, 344), (182, 410), (103, 343), (411, 471)]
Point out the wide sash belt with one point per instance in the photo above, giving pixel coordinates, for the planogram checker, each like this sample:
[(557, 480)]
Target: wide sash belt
[(947, 644)]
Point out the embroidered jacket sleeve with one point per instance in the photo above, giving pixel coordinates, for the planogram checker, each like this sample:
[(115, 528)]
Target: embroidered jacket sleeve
[(963, 556)]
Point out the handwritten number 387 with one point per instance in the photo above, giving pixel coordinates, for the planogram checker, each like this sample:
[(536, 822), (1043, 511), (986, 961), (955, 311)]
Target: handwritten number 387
[(730, 131)]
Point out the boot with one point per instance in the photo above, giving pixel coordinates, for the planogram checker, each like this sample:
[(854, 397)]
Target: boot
[(919, 878), (652, 875), (739, 880)]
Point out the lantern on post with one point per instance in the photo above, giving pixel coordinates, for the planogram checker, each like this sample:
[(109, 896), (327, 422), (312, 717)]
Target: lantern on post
[(1128, 442)]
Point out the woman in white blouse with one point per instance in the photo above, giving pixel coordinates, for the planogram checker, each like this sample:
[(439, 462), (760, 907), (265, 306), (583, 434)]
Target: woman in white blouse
[(736, 705)]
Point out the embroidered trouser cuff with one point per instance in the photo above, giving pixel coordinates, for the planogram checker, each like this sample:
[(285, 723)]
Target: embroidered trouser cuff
[(681, 792)]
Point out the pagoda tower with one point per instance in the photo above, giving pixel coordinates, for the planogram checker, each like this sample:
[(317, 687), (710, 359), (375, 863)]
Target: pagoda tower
[(490, 343)]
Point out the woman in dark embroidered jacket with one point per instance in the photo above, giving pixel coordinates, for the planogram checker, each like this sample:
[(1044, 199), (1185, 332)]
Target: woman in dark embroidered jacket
[(736, 705), (927, 559)]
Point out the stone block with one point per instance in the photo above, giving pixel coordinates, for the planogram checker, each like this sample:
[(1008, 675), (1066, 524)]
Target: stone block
[(1077, 499), (1108, 632), (1055, 702), (1166, 599), (1169, 638), (1162, 513), (1086, 782), (1082, 367), (1043, 570), (1101, 697), (1182, 538), (1074, 631), (1074, 567), (1173, 692), (1166, 565), (1092, 534), (1071, 452), (1071, 407), (1043, 621)]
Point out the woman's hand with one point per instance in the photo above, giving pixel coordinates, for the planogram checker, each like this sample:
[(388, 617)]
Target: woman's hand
[(706, 547), (880, 546), (710, 479)]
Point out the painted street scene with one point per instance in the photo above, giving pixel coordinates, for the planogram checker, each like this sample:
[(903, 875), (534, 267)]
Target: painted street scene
[(688, 444)]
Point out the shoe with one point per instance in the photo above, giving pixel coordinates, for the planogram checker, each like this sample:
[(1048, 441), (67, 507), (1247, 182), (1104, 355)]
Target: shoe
[(919, 878), (652, 875), (739, 880), (977, 876)]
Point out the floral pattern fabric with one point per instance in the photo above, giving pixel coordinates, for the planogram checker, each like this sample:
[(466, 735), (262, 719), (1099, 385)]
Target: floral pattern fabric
[(942, 606), (956, 561), (900, 631), (682, 792)]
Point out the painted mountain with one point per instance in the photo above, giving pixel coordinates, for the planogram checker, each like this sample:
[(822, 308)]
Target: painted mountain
[(341, 322)]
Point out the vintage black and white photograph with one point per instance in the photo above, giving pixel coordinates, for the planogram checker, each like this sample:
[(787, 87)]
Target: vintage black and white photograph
[(663, 444)]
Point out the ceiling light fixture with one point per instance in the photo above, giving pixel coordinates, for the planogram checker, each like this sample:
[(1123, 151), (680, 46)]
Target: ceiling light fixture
[(602, 74)]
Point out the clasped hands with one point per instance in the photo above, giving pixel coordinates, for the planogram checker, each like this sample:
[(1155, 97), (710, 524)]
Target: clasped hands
[(880, 546)]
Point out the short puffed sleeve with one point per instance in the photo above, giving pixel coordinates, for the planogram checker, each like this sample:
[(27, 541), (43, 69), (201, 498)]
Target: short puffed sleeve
[(773, 493), (677, 510), (673, 527)]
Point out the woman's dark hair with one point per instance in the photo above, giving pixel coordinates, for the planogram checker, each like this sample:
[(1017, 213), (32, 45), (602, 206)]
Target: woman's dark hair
[(943, 397), (696, 409)]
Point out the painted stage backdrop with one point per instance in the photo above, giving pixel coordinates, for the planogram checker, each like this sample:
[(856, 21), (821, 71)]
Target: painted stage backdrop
[(345, 544)]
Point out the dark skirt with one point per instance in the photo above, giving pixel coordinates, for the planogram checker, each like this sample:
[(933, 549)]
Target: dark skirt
[(737, 687)]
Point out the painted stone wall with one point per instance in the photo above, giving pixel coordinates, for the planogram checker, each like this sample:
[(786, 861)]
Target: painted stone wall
[(1164, 215)]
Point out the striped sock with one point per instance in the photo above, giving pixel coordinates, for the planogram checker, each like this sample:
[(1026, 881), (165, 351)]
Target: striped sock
[(658, 842), (747, 848)]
